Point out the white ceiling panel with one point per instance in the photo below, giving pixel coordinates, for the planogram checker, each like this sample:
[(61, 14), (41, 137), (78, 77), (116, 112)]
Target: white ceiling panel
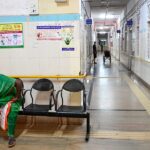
[(112, 3)]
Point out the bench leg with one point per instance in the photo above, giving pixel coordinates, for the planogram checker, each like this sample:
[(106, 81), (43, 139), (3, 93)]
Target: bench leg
[(87, 127)]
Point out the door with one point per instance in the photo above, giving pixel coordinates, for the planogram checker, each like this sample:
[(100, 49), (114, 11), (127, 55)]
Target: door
[(130, 49)]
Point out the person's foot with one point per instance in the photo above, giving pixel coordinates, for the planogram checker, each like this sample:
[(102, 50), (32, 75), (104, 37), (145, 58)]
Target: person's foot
[(11, 142)]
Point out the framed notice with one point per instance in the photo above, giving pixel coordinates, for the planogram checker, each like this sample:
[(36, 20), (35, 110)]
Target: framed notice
[(11, 35)]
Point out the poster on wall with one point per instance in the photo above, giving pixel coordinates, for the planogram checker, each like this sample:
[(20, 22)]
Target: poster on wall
[(62, 32), (48, 32), (67, 34), (11, 35)]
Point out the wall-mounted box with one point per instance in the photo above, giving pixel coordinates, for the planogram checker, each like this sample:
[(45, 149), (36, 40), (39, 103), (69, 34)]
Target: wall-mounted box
[(60, 1)]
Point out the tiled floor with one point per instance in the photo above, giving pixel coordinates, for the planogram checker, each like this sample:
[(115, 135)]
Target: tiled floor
[(119, 117)]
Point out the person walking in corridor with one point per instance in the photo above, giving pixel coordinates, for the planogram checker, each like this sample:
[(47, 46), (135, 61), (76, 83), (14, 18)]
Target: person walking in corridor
[(94, 52), (102, 48), (10, 89)]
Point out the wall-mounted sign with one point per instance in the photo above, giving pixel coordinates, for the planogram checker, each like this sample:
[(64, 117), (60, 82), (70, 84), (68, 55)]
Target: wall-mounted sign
[(62, 32), (49, 32), (68, 49), (118, 31), (67, 34), (130, 23), (11, 35), (89, 21)]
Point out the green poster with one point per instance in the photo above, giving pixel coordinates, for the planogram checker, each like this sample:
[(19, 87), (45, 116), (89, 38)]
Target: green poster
[(11, 35)]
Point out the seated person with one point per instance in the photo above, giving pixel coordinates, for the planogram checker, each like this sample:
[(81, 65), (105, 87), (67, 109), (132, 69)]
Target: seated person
[(107, 56), (107, 53), (10, 88)]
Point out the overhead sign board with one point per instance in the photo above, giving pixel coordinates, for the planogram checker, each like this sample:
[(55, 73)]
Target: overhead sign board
[(89, 21), (130, 22)]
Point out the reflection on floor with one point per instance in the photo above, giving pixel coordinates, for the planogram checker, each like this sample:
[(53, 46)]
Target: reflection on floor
[(119, 108)]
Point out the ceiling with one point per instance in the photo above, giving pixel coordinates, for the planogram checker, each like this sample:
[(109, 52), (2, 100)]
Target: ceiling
[(112, 3), (106, 12)]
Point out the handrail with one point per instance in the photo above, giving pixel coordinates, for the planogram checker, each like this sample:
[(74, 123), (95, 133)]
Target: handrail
[(140, 59), (47, 76)]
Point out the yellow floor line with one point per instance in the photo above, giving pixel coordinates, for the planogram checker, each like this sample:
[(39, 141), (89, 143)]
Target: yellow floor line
[(139, 94)]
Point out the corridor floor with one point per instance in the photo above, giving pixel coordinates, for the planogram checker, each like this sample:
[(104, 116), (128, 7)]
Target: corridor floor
[(119, 109)]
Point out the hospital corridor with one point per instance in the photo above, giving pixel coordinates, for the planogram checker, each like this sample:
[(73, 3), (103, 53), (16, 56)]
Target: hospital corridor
[(75, 74)]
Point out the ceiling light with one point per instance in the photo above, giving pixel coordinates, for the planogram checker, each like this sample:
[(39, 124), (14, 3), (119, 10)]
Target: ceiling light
[(109, 16), (102, 32), (102, 16), (101, 28)]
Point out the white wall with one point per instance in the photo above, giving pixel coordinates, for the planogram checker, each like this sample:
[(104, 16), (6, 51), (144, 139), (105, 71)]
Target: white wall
[(51, 7), (140, 46), (44, 57)]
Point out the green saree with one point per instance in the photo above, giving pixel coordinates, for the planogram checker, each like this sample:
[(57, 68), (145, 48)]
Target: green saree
[(7, 92)]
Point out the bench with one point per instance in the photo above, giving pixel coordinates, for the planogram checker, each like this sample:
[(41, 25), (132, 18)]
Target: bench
[(59, 108)]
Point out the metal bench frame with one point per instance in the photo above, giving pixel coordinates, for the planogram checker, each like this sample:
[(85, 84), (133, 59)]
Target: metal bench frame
[(56, 113)]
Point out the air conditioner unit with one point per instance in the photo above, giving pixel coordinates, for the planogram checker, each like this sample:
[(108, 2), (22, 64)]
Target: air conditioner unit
[(60, 1)]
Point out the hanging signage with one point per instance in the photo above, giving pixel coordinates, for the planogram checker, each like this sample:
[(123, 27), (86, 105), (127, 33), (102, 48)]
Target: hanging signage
[(130, 23), (11, 35), (89, 21)]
